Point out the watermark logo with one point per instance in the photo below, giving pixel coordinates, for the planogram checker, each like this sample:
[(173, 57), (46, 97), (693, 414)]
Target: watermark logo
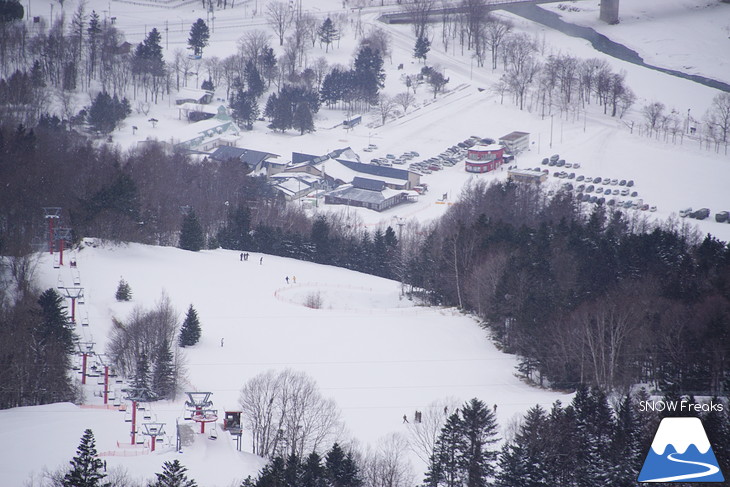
[(681, 452)]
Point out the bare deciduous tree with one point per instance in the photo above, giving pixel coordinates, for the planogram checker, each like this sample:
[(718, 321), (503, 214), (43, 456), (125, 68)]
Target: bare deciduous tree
[(718, 115), (387, 466), (419, 12), (495, 33), (286, 414), (653, 113), (422, 436), (405, 100), (280, 17), (386, 105)]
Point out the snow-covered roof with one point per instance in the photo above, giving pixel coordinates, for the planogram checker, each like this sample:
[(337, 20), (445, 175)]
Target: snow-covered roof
[(490, 147), (199, 107), (192, 93)]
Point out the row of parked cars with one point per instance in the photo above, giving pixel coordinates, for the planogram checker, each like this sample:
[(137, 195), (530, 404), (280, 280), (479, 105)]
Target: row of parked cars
[(450, 157), (599, 189), (703, 213)]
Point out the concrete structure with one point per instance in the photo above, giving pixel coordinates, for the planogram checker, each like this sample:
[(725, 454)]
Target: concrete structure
[(484, 158), (515, 142), (609, 11), (527, 176)]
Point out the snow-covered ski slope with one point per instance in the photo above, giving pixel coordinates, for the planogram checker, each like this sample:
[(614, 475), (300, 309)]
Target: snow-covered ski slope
[(377, 355)]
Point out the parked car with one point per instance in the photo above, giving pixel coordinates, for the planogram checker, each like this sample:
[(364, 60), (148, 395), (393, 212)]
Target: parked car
[(590, 189), (685, 213), (586, 198), (589, 179), (611, 202), (634, 194), (652, 208), (580, 178), (614, 182), (545, 161), (576, 165), (722, 217), (554, 158), (372, 146), (568, 165), (599, 190), (601, 200), (581, 187), (561, 162), (701, 214), (630, 183), (571, 175), (624, 192), (593, 199), (622, 182), (616, 192), (390, 156), (597, 180), (551, 163), (367, 149), (644, 207)]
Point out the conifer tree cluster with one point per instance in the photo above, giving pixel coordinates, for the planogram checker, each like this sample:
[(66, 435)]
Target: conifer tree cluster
[(106, 112), (362, 83), (338, 469), (124, 291), (199, 35), (464, 453), (293, 106)]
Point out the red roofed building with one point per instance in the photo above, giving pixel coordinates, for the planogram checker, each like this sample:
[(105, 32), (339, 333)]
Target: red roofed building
[(484, 158)]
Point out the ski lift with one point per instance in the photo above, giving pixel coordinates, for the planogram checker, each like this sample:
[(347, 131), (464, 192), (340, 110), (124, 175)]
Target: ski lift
[(213, 435), (128, 416)]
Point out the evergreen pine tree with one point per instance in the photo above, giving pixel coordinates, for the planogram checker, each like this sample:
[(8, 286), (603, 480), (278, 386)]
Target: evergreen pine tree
[(283, 115), (245, 109), (190, 330), (273, 474), (369, 75), (313, 472), (55, 325), (423, 45), (163, 374), (327, 33), (270, 107), (267, 61), (303, 118), (626, 446), (594, 429), (479, 428), (124, 292), (86, 467), (341, 469), (199, 35), (173, 475), (292, 471), (191, 234), (254, 83), (446, 468), (523, 462), (141, 380)]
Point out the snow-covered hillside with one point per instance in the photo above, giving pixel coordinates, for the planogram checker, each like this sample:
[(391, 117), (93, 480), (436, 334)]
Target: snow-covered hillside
[(377, 355)]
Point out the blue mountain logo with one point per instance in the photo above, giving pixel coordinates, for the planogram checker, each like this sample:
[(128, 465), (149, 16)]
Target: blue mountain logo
[(681, 452)]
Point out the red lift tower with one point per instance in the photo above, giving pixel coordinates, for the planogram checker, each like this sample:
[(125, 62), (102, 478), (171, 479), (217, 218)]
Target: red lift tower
[(51, 213)]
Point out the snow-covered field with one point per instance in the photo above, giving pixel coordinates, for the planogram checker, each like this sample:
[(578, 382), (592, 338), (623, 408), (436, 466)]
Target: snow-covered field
[(377, 355)]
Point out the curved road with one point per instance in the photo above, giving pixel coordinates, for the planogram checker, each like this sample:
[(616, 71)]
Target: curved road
[(602, 43)]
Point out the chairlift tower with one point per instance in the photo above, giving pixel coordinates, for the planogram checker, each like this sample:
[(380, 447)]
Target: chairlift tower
[(200, 403), (51, 213), (85, 349), (135, 395), (62, 234), (153, 430), (73, 293)]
